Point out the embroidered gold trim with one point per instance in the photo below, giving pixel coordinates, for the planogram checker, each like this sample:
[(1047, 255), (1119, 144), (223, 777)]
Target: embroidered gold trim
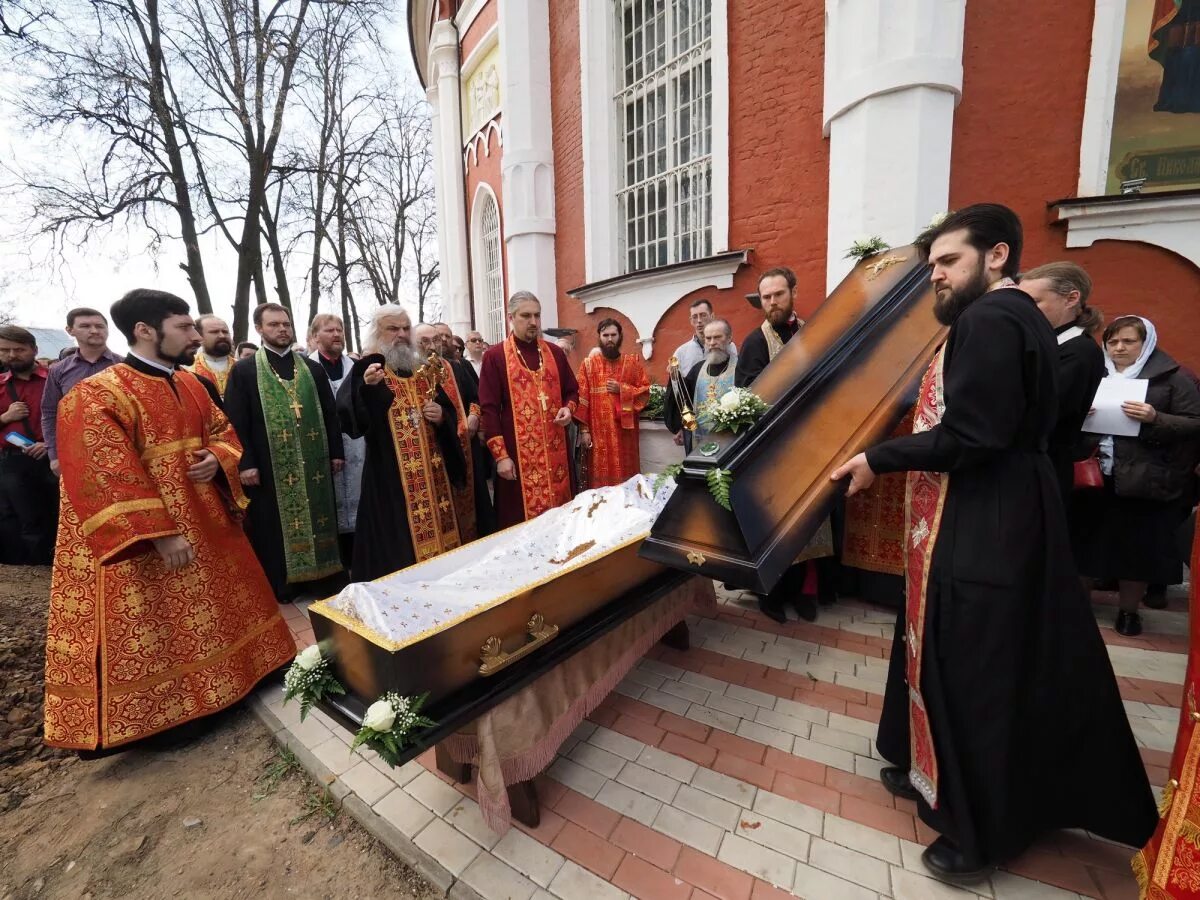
[(101, 518), (160, 450)]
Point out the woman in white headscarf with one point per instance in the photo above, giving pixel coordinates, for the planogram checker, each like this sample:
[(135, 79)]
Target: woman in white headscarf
[(1126, 531)]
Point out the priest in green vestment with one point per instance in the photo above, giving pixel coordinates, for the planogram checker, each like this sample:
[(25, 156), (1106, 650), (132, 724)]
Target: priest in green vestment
[(282, 407)]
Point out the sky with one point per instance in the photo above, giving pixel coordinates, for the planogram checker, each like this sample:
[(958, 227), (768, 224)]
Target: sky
[(38, 283)]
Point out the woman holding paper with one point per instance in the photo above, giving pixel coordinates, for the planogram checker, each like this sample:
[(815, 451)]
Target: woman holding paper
[(1147, 417)]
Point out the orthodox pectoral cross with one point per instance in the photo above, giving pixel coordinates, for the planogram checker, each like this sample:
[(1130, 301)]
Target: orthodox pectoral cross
[(296, 408), (545, 401)]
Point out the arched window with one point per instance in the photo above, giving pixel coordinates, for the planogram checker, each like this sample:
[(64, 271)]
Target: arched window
[(489, 266)]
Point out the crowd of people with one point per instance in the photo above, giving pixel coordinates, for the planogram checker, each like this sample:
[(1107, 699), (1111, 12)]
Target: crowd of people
[(200, 482)]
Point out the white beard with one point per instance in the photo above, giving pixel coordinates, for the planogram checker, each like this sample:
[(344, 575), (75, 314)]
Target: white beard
[(716, 357), (402, 358)]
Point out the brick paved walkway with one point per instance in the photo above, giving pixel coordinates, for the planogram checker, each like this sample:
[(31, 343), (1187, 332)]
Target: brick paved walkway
[(742, 768)]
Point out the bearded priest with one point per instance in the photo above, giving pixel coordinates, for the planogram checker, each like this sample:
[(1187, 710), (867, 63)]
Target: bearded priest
[(214, 359), (398, 402), (613, 390), (159, 613), (527, 395)]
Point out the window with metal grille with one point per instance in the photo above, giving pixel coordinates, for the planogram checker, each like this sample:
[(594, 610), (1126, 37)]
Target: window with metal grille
[(664, 103), (492, 268)]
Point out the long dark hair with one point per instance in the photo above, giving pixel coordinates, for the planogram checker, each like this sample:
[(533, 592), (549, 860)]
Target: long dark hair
[(1065, 277)]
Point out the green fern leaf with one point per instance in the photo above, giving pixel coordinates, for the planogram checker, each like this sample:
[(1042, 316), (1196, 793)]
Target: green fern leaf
[(669, 472), (719, 483)]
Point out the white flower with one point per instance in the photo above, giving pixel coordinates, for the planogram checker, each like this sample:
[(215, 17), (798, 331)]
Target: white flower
[(309, 658), (380, 716), (730, 401), (938, 219)]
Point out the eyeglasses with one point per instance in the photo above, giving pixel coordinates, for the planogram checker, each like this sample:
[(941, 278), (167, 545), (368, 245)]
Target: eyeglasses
[(474, 340)]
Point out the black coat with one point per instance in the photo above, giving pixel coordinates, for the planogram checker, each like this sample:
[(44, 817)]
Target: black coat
[(1158, 464), (1023, 705), (1080, 369)]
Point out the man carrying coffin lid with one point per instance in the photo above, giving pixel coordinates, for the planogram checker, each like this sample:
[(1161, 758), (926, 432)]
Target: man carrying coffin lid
[(777, 292), (528, 394), (282, 406), (1015, 724), (159, 614), (400, 405)]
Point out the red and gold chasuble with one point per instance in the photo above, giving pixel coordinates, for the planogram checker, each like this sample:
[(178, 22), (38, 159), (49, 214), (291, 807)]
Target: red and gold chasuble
[(875, 521), (432, 519), (1168, 868), (132, 648), (219, 378), (925, 495), (536, 396), (464, 498), (612, 418)]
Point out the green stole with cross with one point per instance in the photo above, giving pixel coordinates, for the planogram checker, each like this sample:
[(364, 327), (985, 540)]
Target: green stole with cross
[(302, 474)]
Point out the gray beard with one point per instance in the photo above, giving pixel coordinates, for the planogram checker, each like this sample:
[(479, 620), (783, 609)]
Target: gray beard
[(716, 357), (402, 359)]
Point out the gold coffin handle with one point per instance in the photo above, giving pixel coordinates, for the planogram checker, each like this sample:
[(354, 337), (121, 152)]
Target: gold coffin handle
[(493, 657)]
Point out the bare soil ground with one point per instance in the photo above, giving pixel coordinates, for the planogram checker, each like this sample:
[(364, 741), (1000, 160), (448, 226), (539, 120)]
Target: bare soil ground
[(225, 815)]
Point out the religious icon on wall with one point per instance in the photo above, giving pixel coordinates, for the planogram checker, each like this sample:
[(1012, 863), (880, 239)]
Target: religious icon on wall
[(1156, 119)]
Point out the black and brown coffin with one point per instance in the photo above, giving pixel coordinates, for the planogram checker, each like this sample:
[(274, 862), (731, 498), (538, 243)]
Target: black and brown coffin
[(842, 385)]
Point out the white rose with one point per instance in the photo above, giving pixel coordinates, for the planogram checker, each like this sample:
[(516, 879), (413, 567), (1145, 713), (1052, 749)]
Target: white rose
[(309, 658), (730, 401), (380, 716)]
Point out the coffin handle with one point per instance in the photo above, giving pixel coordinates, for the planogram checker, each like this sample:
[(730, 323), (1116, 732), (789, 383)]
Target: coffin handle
[(493, 657)]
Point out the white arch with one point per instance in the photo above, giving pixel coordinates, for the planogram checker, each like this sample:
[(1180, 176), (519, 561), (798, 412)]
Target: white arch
[(487, 263)]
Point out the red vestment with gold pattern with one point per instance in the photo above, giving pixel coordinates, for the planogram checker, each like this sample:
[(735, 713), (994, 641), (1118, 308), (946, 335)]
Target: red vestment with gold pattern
[(132, 648), (612, 418)]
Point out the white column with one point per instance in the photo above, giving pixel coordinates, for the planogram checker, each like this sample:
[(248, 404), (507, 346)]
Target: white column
[(527, 165), (446, 96), (893, 76)]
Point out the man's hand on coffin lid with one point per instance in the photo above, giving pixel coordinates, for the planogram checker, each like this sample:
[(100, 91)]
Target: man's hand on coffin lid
[(432, 413), (859, 472), (506, 470)]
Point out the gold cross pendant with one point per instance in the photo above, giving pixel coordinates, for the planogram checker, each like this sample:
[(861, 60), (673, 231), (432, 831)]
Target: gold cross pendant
[(545, 401), (297, 409)]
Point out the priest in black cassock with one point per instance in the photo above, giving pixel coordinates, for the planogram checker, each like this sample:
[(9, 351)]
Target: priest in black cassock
[(1014, 723), (395, 400), (281, 405)]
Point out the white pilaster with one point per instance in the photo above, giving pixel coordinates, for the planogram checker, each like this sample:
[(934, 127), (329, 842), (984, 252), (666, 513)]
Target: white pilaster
[(446, 96), (527, 166), (893, 76)]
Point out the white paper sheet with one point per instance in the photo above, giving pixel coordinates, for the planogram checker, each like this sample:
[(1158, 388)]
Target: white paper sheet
[(1108, 417), (413, 601)]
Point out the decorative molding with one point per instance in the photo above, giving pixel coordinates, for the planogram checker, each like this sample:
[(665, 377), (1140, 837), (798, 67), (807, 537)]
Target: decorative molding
[(645, 297), (1171, 222), (478, 269), (482, 100), (468, 13), (1095, 139), (482, 139)]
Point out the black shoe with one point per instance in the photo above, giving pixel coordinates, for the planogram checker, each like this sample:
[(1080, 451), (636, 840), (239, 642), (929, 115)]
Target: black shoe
[(948, 863), (1129, 623), (772, 609), (895, 779), (806, 607), (1156, 597)]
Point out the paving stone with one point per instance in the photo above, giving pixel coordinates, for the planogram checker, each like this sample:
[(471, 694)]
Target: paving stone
[(796, 646), (769, 865), (645, 679), (584, 730), (812, 714), (739, 708), (667, 764), (529, 857), (850, 864), (854, 743), (862, 838), (765, 734), (576, 777), (713, 718), (453, 849), (659, 668), (404, 812), (573, 881), (630, 689), (771, 657), (732, 650), (823, 753), (686, 691), (689, 829), (493, 880), (607, 764), (615, 742), (750, 695), (724, 786), (308, 734), (708, 807), (367, 782), (782, 838), (790, 724), (868, 767), (467, 818), (334, 755), (853, 725), (629, 802), (1007, 886), (647, 781), (816, 884), (908, 885), (431, 791), (789, 812), (704, 682), (669, 702)]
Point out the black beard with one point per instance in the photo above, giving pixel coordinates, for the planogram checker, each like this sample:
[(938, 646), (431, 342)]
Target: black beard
[(611, 351), (219, 350), (947, 308), (185, 358), (22, 368)]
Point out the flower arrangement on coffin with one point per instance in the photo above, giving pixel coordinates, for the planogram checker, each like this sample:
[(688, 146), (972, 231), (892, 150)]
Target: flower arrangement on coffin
[(389, 723), (866, 247), (734, 410), (310, 678)]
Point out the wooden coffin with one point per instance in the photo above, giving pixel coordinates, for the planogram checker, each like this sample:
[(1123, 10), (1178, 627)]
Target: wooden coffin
[(513, 630), (840, 386)]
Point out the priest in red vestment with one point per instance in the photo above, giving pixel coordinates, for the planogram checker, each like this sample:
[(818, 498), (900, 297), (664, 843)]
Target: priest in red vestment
[(527, 395), (159, 612), (613, 390)]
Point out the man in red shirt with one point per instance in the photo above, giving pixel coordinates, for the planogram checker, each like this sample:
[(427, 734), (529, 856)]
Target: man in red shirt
[(28, 489)]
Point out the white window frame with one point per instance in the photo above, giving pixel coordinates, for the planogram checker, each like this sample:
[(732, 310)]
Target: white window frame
[(599, 57), (484, 299)]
